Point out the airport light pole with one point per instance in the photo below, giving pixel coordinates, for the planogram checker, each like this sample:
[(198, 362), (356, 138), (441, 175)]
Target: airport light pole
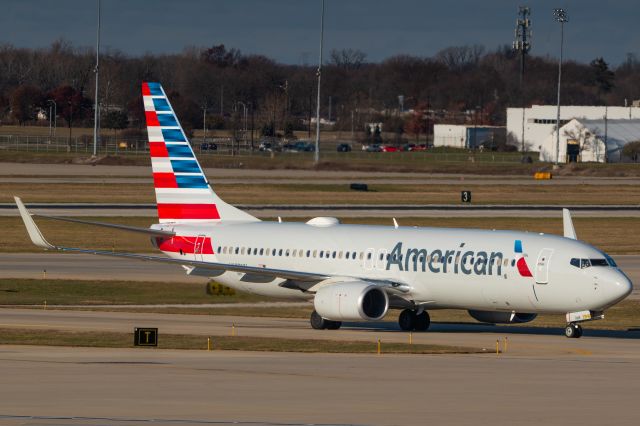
[(316, 156), (560, 15), (96, 109), (522, 44), (54, 117), (244, 119)]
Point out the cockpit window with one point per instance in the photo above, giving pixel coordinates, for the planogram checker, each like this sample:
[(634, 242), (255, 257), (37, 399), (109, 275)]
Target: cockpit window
[(585, 263), (611, 261)]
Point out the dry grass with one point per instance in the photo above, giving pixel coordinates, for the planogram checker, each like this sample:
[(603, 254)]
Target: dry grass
[(296, 193), (10, 336), (15, 238), (618, 238), (17, 292), (458, 163)]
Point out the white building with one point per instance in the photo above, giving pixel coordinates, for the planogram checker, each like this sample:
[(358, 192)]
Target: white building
[(540, 120), (585, 140), (465, 136)]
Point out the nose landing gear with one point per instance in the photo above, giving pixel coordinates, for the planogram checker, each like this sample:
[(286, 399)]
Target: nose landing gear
[(410, 320), (573, 331)]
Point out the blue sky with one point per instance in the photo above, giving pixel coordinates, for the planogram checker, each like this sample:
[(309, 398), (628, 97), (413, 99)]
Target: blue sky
[(287, 30)]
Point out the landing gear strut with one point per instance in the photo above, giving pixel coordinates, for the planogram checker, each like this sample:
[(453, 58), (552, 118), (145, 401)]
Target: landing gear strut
[(409, 320), (319, 323), (573, 331)]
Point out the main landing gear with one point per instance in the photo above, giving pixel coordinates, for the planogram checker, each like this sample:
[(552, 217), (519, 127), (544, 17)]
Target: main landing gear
[(410, 320), (573, 331), (319, 323)]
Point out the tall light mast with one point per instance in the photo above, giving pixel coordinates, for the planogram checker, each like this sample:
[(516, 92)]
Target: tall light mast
[(96, 108), (522, 44)]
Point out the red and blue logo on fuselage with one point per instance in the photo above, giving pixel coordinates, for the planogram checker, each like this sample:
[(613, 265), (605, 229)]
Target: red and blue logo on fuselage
[(521, 263)]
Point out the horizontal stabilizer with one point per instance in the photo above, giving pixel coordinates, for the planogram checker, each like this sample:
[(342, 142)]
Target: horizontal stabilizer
[(148, 231)]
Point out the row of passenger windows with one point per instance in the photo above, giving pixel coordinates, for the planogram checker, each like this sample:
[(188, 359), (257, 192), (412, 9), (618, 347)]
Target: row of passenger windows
[(335, 254)]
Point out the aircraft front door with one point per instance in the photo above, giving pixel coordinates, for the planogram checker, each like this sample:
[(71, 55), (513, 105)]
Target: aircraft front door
[(541, 272), (198, 247)]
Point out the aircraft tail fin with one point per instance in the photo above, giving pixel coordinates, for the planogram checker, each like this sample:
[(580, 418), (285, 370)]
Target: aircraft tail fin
[(183, 193), (567, 224)]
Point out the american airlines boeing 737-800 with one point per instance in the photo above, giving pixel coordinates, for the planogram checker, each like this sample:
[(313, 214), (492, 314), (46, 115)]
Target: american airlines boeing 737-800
[(359, 272)]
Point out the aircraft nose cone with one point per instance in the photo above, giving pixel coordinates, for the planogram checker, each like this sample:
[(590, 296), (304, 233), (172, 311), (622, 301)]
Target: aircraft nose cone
[(620, 286)]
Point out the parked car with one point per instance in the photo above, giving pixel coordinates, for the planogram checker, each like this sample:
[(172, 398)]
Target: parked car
[(269, 144), (389, 148), (208, 146), (344, 147), (372, 148), (299, 146)]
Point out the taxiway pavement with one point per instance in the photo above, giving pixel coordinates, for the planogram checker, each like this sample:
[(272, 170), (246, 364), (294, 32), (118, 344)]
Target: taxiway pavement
[(543, 378)]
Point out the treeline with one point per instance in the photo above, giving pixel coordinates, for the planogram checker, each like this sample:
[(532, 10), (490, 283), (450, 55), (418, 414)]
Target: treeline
[(459, 84)]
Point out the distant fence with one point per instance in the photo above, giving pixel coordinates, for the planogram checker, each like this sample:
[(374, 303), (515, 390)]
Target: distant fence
[(83, 145)]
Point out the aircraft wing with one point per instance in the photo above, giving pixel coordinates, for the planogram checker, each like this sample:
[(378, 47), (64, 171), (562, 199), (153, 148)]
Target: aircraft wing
[(310, 278), (38, 239)]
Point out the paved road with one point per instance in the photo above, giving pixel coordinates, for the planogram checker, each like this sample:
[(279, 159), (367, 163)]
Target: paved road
[(341, 210), (542, 379), (89, 267), (14, 172)]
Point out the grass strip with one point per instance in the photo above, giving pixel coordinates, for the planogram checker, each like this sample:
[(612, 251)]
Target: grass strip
[(323, 193), (80, 292), (9, 336)]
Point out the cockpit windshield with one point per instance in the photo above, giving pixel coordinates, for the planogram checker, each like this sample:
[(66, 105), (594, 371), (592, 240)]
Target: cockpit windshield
[(586, 263)]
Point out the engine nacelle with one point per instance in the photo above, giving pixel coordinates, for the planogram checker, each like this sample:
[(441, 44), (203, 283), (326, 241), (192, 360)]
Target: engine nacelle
[(502, 317), (351, 301)]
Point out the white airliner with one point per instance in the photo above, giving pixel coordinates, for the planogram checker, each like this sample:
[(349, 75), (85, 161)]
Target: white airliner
[(359, 272)]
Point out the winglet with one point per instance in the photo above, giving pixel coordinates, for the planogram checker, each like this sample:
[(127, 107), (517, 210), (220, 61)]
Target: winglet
[(567, 224), (32, 229)]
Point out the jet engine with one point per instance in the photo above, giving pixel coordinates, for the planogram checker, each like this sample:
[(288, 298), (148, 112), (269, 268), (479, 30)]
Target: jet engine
[(351, 301), (502, 317)]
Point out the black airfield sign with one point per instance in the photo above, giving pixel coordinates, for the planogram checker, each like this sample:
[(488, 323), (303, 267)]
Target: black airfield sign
[(145, 336)]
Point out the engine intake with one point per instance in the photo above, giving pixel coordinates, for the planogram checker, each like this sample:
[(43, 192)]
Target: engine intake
[(502, 317), (351, 301)]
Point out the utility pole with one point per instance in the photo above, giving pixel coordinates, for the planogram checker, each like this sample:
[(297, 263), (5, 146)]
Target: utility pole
[(560, 16), (522, 44), (96, 108), (316, 156)]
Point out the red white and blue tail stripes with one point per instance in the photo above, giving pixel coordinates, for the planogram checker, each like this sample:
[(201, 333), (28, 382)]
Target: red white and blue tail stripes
[(182, 190)]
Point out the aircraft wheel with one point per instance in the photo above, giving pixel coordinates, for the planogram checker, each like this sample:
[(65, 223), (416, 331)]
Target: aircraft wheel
[(423, 321), (333, 325), (317, 322), (573, 331), (578, 331), (407, 320)]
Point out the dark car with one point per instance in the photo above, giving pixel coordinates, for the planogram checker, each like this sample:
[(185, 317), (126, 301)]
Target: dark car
[(298, 147), (344, 147), (210, 146)]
